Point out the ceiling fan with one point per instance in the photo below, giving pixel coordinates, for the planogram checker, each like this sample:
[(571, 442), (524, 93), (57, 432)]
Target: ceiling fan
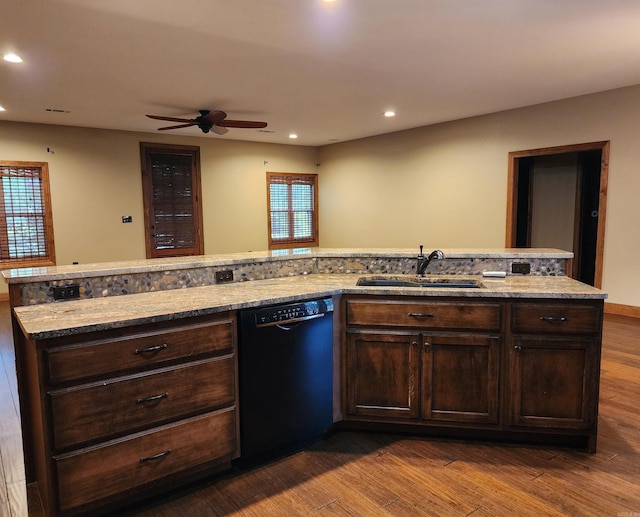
[(215, 121)]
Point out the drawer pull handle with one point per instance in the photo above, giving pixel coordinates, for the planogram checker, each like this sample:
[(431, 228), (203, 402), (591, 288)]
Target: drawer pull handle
[(150, 349), (553, 319), (420, 315), (154, 398), (156, 457)]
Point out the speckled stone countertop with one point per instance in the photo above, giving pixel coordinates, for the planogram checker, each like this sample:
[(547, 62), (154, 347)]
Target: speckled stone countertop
[(81, 316), (71, 272)]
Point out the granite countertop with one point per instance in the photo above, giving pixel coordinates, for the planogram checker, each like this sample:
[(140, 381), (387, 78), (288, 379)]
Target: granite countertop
[(70, 272), (81, 316)]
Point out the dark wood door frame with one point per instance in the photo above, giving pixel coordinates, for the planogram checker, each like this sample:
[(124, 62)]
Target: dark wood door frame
[(512, 193)]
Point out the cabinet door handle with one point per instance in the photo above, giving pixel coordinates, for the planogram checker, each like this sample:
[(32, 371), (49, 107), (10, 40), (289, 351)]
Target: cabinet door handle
[(156, 457), (554, 319), (150, 349), (420, 315), (426, 344), (414, 343), (517, 348), (154, 398)]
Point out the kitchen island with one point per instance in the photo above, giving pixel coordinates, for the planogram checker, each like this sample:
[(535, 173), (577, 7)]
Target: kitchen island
[(515, 359)]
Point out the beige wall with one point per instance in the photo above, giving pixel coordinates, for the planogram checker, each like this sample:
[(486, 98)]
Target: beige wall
[(95, 179), (441, 186), (553, 200), (446, 185)]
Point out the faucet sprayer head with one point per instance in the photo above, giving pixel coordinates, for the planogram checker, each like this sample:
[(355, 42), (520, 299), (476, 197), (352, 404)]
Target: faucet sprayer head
[(423, 261)]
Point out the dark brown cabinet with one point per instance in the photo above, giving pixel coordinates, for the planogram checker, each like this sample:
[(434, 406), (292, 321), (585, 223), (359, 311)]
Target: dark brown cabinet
[(512, 369), (460, 378), (122, 413), (550, 382), (554, 365), (383, 376), (442, 367)]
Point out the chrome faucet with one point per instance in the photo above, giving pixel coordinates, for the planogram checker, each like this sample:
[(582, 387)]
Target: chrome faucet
[(423, 261)]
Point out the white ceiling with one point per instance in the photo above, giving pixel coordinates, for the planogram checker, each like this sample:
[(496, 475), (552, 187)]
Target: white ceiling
[(326, 72)]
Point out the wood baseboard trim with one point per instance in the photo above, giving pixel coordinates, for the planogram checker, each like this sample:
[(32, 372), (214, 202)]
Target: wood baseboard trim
[(622, 310), (4, 297)]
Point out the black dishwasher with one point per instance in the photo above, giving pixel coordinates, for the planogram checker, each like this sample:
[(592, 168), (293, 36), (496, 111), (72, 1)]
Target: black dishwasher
[(285, 355)]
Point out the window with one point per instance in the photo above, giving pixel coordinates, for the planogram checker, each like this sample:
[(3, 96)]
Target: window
[(173, 213), (26, 224), (293, 210)]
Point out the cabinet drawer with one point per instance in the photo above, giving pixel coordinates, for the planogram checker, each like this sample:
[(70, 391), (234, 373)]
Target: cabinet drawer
[(561, 318), (96, 358), (437, 315), (118, 406), (96, 473)]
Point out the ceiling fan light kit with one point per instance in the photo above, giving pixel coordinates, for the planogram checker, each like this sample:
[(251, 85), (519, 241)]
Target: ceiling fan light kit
[(215, 121)]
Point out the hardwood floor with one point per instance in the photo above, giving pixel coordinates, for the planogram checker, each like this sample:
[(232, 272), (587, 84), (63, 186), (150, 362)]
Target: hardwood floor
[(366, 474), (13, 494)]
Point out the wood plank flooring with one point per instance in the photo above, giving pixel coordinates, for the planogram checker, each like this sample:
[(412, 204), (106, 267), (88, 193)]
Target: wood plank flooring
[(367, 474), (13, 491)]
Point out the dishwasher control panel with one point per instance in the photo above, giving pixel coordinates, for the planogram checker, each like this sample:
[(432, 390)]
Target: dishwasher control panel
[(292, 312)]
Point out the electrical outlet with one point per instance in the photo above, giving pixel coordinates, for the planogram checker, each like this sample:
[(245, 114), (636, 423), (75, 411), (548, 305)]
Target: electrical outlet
[(224, 276), (66, 292), (523, 268)]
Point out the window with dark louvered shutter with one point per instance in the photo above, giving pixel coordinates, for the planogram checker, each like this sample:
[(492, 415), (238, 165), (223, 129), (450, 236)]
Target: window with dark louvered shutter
[(293, 210), (26, 226)]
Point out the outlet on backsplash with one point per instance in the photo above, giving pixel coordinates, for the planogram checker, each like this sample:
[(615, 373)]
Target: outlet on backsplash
[(523, 268), (66, 292), (224, 276)]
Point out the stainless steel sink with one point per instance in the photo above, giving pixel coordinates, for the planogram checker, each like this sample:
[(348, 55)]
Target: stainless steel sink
[(415, 281)]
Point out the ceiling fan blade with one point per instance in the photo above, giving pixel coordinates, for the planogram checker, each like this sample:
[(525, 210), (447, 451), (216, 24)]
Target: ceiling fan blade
[(242, 124), (219, 130), (214, 116), (170, 119), (177, 127)]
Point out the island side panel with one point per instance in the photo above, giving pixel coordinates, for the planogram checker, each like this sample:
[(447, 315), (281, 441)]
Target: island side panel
[(24, 390)]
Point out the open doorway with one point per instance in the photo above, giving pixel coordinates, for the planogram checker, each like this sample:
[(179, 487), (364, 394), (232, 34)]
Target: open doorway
[(557, 199)]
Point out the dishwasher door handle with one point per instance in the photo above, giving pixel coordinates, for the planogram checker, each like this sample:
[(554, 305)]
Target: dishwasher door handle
[(281, 324)]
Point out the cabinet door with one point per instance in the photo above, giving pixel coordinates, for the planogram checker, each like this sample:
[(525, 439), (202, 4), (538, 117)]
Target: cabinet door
[(460, 378), (382, 374), (554, 382)]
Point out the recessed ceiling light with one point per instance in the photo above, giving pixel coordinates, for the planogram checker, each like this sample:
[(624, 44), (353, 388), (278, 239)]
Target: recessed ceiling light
[(293, 136), (2, 109), (389, 113), (12, 58)]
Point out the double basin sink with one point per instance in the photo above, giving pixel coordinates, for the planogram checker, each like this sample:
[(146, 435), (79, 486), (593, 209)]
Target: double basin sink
[(416, 281)]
